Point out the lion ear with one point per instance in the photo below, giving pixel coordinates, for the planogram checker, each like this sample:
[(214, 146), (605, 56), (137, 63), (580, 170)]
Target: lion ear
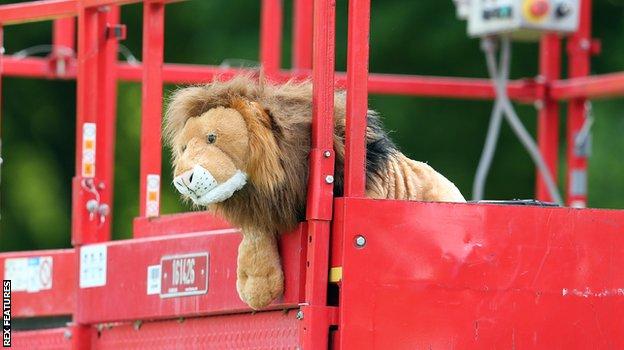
[(264, 165)]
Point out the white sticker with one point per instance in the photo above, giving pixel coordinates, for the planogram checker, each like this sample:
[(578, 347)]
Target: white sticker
[(152, 202), (93, 265), (153, 279), (88, 149), (29, 274)]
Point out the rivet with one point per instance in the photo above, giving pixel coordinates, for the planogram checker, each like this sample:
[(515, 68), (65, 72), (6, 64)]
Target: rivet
[(329, 179), (300, 315), (327, 154), (360, 241), (67, 334)]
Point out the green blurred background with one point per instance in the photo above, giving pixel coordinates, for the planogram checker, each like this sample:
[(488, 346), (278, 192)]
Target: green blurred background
[(407, 36)]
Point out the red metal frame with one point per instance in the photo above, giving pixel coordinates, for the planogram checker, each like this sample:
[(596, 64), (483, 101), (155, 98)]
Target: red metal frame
[(579, 52), (475, 276), (548, 117), (151, 101), (271, 36)]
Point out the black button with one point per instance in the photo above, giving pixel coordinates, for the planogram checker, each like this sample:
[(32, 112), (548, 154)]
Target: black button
[(563, 10)]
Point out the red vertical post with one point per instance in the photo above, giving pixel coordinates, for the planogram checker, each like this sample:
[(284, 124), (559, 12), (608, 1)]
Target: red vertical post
[(85, 188), (548, 116), (357, 98), (151, 104), (579, 51), (302, 34), (63, 34), (84, 225), (271, 35), (106, 118), (315, 325), (64, 43)]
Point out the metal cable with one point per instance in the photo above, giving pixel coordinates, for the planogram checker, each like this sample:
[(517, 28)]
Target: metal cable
[(503, 102)]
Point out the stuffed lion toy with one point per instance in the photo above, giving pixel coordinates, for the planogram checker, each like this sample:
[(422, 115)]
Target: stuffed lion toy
[(240, 148)]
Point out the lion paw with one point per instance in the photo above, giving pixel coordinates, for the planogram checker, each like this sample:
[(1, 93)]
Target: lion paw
[(259, 291), (260, 277)]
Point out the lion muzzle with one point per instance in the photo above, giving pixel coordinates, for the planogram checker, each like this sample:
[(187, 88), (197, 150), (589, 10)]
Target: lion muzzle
[(203, 189)]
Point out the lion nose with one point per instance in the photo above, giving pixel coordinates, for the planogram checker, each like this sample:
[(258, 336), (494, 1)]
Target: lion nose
[(195, 182), (187, 178)]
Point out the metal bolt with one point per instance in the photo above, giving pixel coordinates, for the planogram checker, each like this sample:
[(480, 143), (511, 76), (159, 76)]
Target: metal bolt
[(327, 154), (539, 104), (300, 315), (92, 205), (329, 179), (67, 334), (360, 241), (104, 209)]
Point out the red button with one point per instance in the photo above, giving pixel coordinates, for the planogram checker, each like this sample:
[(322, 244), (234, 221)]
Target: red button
[(539, 8)]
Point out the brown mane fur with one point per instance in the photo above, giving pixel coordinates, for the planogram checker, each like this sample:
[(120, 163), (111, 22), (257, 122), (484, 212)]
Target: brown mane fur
[(278, 118)]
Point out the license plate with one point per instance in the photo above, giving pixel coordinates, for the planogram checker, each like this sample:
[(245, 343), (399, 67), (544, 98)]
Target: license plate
[(184, 275)]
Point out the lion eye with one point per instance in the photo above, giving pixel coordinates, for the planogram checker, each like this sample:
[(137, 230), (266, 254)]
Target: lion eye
[(212, 138)]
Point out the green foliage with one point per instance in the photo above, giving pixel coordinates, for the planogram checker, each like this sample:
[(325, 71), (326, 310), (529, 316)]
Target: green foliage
[(411, 37)]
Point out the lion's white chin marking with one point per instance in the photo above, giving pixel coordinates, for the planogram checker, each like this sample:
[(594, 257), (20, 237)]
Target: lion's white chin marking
[(201, 187)]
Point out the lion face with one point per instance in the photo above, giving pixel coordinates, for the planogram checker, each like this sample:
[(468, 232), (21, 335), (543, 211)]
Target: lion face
[(210, 156)]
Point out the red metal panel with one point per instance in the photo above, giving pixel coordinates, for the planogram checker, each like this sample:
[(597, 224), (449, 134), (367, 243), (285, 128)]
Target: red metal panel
[(548, 117), (466, 276), (37, 11), (302, 34), (151, 102), (271, 36), (357, 99), (178, 223), (47, 339), (59, 299), (263, 330), (579, 47), (124, 297)]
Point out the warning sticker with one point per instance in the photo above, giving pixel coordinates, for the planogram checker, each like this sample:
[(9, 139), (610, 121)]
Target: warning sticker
[(31, 275), (153, 279), (88, 149), (93, 266), (152, 202)]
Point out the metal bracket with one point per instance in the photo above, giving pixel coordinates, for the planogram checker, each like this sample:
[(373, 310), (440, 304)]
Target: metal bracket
[(117, 32)]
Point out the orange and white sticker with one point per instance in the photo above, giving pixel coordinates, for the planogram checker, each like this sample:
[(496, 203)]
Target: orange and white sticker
[(88, 149), (152, 202)]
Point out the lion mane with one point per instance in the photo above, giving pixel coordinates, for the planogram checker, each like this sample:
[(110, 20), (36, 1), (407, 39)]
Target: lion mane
[(275, 198)]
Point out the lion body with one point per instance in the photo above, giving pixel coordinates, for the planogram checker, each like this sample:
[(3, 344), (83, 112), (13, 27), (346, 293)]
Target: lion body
[(390, 174), (263, 131)]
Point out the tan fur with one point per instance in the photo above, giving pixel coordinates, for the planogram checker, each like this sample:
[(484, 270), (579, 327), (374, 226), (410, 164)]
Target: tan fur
[(264, 130)]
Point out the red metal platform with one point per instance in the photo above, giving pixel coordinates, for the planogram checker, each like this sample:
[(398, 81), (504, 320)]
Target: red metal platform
[(430, 275), (480, 276)]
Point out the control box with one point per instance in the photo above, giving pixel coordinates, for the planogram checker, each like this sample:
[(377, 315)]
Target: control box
[(522, 19)]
